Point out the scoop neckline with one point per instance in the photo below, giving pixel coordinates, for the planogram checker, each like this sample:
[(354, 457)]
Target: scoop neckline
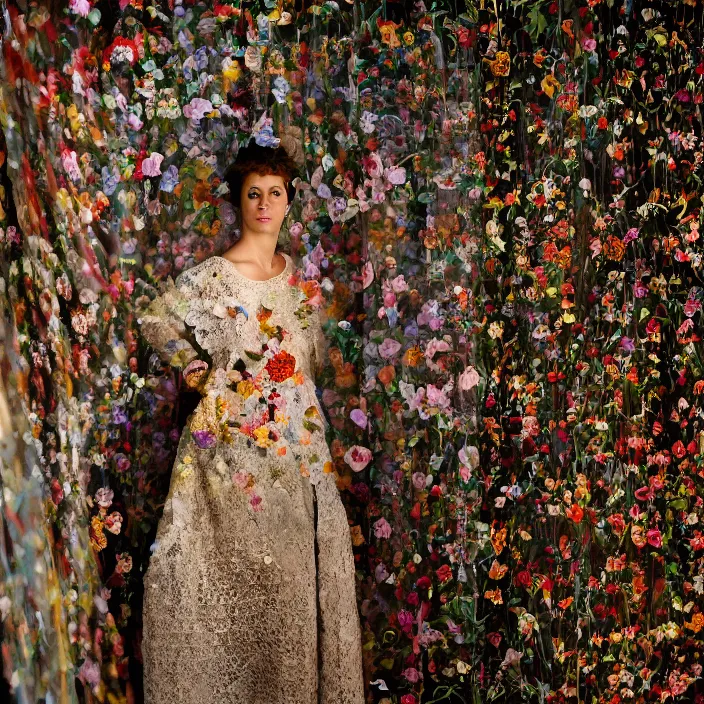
[(234, 268)]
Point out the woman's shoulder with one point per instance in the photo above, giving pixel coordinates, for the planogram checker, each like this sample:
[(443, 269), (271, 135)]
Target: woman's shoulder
[(198, 274)]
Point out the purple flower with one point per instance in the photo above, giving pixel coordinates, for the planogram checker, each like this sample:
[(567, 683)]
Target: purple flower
[(359, 417), (204, 439), (627, 344)]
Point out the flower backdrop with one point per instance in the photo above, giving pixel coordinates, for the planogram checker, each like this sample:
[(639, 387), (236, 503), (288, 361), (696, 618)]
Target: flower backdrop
[(501, 201)]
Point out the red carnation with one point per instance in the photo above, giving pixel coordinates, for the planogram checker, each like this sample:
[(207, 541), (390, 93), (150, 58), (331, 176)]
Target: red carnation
[(281, 367)]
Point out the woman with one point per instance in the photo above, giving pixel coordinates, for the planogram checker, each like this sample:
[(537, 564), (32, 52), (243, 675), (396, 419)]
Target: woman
[(236, 610)]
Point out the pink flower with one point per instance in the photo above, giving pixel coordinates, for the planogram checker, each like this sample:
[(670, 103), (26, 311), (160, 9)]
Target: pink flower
[(382, 528), (435, 346), (69, 160), (418, 480), (373, 165), (79, 7), (469, 378), (197, 109), (396, 175), (358, 457), (389, 347), (437, 397), (411, 674), (588, 44), (654, 538), (152, 165), (359, 417)]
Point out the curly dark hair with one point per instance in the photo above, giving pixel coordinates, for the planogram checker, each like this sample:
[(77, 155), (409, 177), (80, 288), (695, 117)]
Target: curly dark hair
[(264, 161)]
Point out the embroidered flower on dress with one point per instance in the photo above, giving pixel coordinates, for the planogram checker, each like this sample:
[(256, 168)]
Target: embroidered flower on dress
[(281, 366)]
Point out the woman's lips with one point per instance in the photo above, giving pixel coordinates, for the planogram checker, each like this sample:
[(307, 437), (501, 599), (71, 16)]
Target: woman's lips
[(264, 219)]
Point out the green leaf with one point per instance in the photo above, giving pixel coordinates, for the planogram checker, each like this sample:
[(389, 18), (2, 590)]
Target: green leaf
[(537, 22)]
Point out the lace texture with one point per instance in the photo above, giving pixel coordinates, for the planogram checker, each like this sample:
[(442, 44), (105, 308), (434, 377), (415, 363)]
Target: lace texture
[(235, 608)]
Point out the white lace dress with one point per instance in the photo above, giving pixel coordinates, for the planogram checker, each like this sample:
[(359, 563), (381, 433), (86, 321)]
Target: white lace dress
[(249, 596)]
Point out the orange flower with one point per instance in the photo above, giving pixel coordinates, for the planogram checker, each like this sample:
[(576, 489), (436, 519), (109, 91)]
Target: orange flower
[(413, 356), (386, 374), (97, 536), (575, 513), (696, 624), (312, 290), (565, 602), (614, 248), (494, 595), (281, 367), (357, 537), (498, 539), (497, 570)]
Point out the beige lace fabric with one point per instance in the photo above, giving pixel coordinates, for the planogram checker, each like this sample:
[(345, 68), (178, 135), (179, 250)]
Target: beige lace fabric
[(238, 607)]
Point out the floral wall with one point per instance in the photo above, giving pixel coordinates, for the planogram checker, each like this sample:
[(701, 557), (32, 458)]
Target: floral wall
[(501, 200)]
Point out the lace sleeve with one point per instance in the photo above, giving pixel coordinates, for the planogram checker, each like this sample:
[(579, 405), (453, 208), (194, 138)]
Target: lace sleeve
[(342, 678), (162, 323)]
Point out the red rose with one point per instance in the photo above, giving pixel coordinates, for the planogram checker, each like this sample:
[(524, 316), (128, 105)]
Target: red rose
[(523, 579), (423, 583), (444, 573)]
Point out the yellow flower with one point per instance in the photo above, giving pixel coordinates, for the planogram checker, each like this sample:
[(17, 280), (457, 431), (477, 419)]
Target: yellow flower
[(261, 436), (245, 388), (388, 36), (408, 38), (550, 84), (501, 65)]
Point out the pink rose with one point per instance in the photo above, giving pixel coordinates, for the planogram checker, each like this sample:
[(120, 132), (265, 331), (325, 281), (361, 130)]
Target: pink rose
[(358, 457), (396, 175), (469, 378), (654, 538)]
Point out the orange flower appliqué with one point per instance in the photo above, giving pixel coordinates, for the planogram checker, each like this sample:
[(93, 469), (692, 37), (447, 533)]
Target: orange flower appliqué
[(281, 366)]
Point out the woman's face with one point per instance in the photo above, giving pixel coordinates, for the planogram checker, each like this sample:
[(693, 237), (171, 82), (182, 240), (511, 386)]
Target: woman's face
[(263, 202)]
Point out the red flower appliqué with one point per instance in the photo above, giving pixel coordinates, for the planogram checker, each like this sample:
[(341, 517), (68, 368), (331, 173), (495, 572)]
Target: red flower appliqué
[(281, 366)]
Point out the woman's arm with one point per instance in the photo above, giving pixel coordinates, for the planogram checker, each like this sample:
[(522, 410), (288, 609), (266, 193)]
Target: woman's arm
[(164, 329)]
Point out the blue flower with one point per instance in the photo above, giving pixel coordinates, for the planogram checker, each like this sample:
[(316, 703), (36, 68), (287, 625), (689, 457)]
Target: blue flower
[(110, 181), (169, 179)]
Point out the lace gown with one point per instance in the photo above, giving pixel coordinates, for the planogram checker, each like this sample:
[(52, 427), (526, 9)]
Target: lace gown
[(249, 597)]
